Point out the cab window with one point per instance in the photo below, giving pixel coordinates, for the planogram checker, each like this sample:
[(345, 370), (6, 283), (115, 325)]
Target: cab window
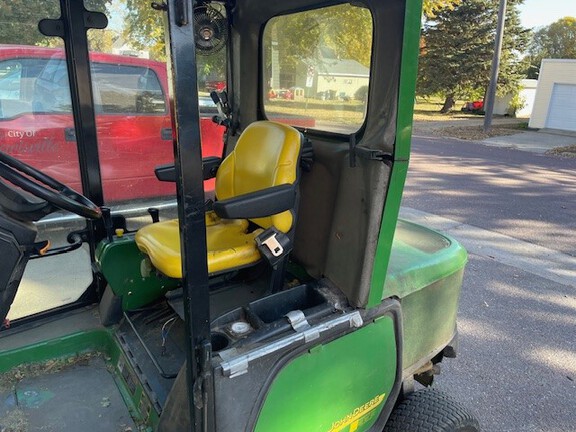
[(317, 75)]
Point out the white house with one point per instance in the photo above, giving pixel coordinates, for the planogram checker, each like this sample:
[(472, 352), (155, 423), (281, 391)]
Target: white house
[(526, 94), (122, 47), (555, 103)]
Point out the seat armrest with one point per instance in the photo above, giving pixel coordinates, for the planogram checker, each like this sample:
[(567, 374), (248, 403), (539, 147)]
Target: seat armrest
[(262, 203), (167, 172), (210, 165)]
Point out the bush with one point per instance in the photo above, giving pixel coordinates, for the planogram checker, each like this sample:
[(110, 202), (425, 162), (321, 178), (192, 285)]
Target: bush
[(361, 93)]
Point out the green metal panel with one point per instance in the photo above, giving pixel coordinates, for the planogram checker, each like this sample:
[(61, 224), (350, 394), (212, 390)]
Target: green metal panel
[(425, 273), (429, 318), (98, 340), (408, 74), (420, 257), (120, 262), (339, 386)]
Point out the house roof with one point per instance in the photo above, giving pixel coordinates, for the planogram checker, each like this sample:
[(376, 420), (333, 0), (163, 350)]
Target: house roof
[(346, 67)]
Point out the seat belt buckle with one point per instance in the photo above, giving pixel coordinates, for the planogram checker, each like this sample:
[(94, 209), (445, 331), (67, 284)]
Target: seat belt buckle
[(273, 245)]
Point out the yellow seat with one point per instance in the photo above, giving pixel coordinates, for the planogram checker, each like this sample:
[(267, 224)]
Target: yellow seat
[(266, 156)]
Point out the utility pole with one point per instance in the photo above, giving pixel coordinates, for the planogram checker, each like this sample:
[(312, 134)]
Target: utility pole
[(491, 93)]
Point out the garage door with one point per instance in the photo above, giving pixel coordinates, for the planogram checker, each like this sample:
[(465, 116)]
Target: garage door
[(562, 109)]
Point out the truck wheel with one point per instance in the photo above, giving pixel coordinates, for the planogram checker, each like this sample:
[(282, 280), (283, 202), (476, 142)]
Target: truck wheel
[(430, 411)]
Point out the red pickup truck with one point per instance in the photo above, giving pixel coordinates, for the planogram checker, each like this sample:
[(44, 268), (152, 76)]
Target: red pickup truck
[(132, 117)]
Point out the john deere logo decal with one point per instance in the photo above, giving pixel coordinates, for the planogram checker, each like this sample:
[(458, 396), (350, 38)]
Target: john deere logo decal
[(353, 418)]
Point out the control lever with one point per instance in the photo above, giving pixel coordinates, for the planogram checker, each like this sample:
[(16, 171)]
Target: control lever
[(108, 225), (221, 102), (154, 214), (224, 100)]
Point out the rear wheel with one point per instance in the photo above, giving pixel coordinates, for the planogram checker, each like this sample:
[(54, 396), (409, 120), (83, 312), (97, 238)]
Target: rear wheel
[(430, 411)]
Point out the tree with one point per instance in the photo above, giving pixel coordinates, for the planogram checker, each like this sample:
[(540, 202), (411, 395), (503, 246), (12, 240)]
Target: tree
[(558, 40), (144, 28), (457, 51), (431, 7), (19, 20)]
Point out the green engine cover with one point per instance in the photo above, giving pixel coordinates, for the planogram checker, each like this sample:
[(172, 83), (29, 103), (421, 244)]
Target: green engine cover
[(339, 386)]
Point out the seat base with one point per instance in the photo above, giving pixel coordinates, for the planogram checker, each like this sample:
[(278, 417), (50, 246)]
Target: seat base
[(229, 244)]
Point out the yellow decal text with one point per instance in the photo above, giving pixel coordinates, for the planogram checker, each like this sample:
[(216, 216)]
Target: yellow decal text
[(358, 413)]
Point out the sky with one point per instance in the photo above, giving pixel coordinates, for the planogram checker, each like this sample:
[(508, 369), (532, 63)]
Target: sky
[(537, 13)]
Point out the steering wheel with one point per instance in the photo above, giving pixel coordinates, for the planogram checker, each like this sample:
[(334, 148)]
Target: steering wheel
[(46, 188)]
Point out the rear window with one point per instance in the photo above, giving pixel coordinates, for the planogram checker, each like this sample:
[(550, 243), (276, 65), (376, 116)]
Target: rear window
[(41, 86), (127, 89), (317, 74)]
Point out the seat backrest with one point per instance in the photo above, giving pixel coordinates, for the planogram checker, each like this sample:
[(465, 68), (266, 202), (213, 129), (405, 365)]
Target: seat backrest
[(266, 155)]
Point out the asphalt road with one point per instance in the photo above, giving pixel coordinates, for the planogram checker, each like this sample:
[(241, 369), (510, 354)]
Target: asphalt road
[(516, 214), (525, 195)]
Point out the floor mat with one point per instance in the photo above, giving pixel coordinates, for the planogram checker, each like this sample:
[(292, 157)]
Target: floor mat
[(76, 397)]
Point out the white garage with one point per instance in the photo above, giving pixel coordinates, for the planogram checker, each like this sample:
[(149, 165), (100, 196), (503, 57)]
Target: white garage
[(562, 110), (555, 102)]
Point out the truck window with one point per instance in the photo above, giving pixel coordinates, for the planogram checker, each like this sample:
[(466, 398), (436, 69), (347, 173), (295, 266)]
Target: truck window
[(118, 89), (17, 81), (127, 89), (317, 75)]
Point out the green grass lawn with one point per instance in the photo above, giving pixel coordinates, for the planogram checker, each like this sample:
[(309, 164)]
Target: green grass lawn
[(428, 109), (352, 112), (345, 112)]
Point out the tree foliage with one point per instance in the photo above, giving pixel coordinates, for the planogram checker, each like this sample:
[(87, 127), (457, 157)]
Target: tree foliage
[(458, 47), (558, 40), (340, 26), (19, 20), (144, 28), (342, 31), (431, 8)]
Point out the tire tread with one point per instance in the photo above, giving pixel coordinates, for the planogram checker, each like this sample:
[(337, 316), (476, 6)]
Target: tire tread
[(431, 411)]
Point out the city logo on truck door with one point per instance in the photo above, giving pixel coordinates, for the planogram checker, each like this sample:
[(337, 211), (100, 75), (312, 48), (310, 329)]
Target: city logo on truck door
[(353, 419)]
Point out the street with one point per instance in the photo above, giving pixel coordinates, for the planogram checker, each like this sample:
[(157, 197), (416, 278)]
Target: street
[(516, 214)]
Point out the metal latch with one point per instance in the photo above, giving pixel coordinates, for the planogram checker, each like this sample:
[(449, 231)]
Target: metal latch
[(235, 364), (372, 154), (297, 320), (273, 245)]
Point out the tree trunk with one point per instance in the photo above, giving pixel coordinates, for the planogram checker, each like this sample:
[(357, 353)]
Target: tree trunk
[(448, 104)]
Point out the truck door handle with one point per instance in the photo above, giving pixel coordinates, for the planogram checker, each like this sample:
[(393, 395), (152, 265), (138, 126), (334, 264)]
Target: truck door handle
[(166, 134), (70, 134)]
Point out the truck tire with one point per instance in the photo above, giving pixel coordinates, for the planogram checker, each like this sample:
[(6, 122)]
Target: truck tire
[(430, 411)]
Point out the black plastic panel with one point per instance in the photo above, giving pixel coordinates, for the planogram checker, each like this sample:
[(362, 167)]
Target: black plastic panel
[(13, 235), (258, 204)]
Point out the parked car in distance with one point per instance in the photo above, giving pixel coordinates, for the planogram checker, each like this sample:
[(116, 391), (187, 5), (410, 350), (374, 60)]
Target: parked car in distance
[(281, 94), (476, 107), (132, 117), (215, 85)]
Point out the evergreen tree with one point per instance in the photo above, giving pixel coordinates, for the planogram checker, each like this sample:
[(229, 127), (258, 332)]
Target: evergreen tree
[(431, 7), (457, 51)]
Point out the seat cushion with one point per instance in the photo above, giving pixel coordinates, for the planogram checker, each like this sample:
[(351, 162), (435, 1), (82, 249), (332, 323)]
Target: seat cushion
[(229, 245), (266, 155)]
